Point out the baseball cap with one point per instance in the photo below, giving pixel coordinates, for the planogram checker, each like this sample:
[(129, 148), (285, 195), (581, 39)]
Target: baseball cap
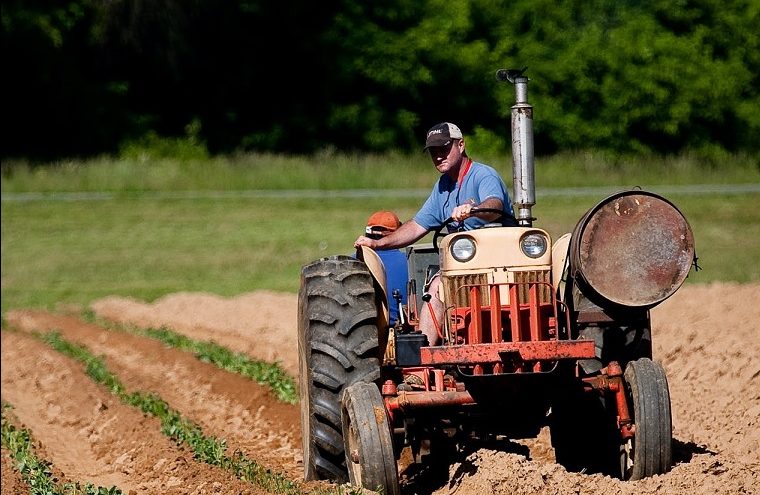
[(382, 222), (442, 134)]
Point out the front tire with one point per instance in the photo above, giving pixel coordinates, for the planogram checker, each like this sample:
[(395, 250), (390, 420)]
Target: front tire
[(368, 443), (650, 451), (337, 346)]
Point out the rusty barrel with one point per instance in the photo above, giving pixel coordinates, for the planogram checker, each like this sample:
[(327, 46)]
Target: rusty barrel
[(634, 249)]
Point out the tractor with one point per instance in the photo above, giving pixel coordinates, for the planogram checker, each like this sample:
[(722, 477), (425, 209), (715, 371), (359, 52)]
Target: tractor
[(536, 333)]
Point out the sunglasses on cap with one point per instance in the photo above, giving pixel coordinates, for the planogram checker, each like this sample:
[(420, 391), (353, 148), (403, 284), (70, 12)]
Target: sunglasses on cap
[(377, 229)]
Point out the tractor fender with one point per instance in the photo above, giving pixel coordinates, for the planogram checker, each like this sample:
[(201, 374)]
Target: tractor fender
[(377, 270), (560, 252)]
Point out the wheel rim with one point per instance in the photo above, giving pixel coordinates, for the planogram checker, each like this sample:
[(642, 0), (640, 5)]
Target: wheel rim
[(626, 458), (369, 451)]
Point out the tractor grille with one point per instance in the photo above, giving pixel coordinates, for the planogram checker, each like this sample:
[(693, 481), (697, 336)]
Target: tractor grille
[(544, 291), (459, 296), (518, 334)]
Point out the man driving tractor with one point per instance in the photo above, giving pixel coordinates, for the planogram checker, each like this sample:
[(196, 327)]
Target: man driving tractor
[(464, 185)]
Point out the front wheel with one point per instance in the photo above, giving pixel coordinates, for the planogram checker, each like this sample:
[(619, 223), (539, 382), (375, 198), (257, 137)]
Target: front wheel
[(650, 451), (368, 443)]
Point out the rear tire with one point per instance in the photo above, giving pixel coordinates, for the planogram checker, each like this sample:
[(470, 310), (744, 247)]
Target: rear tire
[(337, 347), (650, 451), (368, 443)]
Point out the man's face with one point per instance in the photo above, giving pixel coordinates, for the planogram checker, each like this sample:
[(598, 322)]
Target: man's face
[(446, 158)]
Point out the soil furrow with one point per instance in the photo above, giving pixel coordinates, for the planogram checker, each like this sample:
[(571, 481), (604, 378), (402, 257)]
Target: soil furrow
[(261, 324), (704, 335), (224, 404), (90, 435), (706, 339)]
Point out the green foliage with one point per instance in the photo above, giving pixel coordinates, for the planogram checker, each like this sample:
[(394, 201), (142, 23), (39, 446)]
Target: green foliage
[(484, 142), (647, 76), (35, 471), (632, 77), (152, 147), (268, 174), (268, 374), (95, 367), (183, 431)]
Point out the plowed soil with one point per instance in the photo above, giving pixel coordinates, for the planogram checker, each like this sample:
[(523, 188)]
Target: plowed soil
[(705, 336)]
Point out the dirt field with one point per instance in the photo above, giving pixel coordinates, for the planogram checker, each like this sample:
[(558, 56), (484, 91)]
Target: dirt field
[(705, 336)]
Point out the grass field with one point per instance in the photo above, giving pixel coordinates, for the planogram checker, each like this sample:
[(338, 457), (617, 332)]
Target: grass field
[(329, 171), (144, 242)]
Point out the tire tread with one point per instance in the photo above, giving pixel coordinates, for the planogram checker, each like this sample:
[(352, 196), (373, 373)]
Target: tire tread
[(338, 346)]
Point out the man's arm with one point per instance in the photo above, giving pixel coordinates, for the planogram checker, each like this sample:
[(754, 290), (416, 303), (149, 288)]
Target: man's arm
[(409, 233), (464, 211)]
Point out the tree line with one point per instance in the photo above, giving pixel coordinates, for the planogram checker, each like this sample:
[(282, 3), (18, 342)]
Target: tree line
[(84, 77)]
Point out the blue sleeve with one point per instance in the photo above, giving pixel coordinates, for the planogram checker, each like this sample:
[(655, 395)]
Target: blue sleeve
[(491, 185), (428, 215)]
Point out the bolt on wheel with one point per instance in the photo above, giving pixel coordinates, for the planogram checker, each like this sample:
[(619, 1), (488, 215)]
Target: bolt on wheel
[(368, 443)]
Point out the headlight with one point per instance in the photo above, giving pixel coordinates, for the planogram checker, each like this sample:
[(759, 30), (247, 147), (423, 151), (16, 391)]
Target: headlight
[(533, 245), (463, 249)]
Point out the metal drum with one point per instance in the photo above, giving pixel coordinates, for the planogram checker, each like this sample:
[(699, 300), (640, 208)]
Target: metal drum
[(633, 249)]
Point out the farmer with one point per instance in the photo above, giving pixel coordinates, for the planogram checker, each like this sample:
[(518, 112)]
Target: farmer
[(462, 186), (381, 224)]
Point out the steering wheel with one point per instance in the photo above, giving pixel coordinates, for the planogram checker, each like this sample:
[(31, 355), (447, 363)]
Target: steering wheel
[(439, 234)]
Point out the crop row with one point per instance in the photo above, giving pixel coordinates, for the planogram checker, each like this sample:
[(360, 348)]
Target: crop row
[(35, 471), (182, 431), (270, 375)]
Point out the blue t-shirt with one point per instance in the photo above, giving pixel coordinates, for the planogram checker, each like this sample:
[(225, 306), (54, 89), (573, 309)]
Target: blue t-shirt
[(480, 182), (396, 277)]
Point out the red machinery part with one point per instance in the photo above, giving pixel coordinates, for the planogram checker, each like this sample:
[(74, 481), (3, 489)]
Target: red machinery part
[(492, 353)]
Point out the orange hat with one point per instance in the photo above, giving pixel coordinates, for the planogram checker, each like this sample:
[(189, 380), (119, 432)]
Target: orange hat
[(382, 222)]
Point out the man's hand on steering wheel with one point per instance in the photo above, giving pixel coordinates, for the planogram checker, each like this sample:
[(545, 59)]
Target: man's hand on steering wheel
[(461, 212), (471, 211), (467, 210)]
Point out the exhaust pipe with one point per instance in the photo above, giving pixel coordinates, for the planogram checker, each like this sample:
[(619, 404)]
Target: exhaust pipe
[(523, 163)]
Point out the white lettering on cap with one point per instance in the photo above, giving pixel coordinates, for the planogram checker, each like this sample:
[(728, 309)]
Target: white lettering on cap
[(436, 131)]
